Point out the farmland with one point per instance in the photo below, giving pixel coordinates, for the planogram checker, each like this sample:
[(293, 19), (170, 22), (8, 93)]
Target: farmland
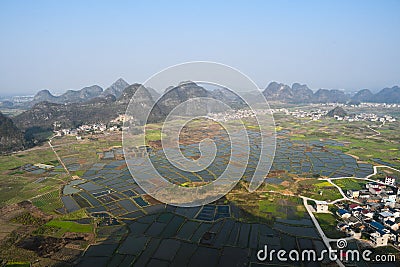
[(99, 208), (350, 184), (328, 223)]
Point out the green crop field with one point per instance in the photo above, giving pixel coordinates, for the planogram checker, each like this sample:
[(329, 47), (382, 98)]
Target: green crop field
[(328, 222), (153, 135), (48, 202), (319, 190), (69, 226), (18, 264), (349, 183)]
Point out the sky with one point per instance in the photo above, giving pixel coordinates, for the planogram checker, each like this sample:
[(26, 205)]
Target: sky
[(60, 45)]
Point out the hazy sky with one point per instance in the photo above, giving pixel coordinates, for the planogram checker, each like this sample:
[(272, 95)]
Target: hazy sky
[(59, 45)]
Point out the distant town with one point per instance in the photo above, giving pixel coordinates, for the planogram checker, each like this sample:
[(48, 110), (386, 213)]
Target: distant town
[(313, 114)]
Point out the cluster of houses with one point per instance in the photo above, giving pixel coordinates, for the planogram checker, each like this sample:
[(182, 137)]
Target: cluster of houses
[(95, 128), (317, 114), (375, 215), (358, 105), (376, 105), (384, 192), (231, 115), (312, 115), (366, 117), (238, 114)]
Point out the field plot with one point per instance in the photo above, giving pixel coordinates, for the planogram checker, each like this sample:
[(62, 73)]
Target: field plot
[(352, 138), (167, 237), (319, 190), (70, 226), (315, 158), (328, 223), (266, 207), (382, 172), (48, 202), (212, 212), (28, 174), (130, 227), (350, 184)]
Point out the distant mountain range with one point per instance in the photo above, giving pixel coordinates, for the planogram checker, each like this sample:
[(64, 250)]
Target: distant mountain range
[(300, 93), (96, 110), (297, 93), (94, 105), (82, 95), (70, 96), (102, 109)]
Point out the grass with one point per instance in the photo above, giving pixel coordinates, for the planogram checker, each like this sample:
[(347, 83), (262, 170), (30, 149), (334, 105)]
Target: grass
[(10, 190), (27, 219), (319, 190), (69, 226), (65, 223), (84, 151), (79, 214), (79, 173), (383, 172), (349, 183), (278, 206), (18, 264), (15, 188), (328, 222), (153, 135), (48, 202), (323, 184), (265, 207), (38, 155), (17, 185)]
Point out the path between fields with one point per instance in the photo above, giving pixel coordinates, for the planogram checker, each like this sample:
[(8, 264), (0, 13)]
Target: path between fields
[(325, 239), (377, 133), (309, 209), (58, 157)]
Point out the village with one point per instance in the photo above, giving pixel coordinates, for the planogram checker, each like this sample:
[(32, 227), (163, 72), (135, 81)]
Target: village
[(114, 125), (318, 114), (313, 115), (373, 215)]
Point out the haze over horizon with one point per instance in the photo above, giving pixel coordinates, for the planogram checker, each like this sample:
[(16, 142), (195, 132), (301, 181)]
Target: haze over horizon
[(58, 45)]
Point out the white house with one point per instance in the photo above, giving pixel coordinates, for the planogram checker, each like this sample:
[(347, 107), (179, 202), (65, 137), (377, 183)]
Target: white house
[(389, 197), (391, 224), (353, 193), (379, 239), (367, 213), (389, 180), (321, 206), (386, 215)]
